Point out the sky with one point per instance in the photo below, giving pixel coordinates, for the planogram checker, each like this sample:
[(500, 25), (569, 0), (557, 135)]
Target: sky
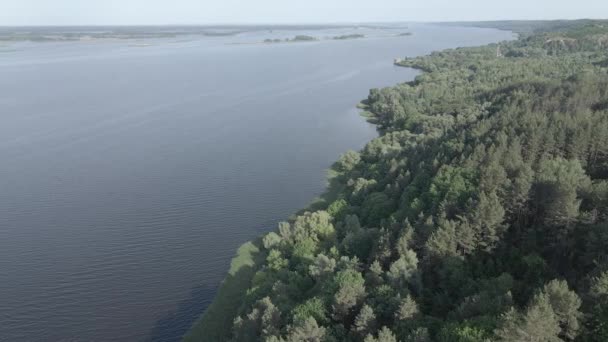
[(144, 12)]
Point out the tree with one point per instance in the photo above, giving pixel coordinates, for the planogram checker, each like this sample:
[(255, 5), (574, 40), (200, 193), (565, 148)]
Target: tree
[(492, 298), (538, 324), (347, 298), (348, 161), (565, 304), (598, 319), (385, 301), (487, 218), (404, 243), (374, 276), (408, 309), (271, 240), (313, 307), (359, 243), (384, 335), (557, 181), (263, 320), (444, 241), (307, 331), (419, 335), (599, 287), (376, 206), (285, 231), (348, 291), (275, 260), (304, 249), (463, 332), (382, 250), (316, 225), (322, 266), (337, 209), (365, 322), (453, 186), (403, 270)]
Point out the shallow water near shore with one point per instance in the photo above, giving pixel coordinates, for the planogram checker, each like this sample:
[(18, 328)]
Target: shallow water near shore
[(132, 171)]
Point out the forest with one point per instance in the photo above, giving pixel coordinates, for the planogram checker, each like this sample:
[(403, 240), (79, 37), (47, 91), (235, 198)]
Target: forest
[(478, 214)]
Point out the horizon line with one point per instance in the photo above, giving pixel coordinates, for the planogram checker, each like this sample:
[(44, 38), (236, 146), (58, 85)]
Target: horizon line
[(297, 24)]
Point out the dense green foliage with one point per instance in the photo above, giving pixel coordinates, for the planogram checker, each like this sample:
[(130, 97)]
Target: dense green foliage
[(479, 214)]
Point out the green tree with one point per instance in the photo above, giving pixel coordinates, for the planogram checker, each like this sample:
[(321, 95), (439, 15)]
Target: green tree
[(462, 333), (322, 266), (598, 319), (374, 276), (307, 331), (276, 261), (314, 308), (487, 218), (403, 270), (420, 334), (408, 309), (405, 241), (271, 240), (557, 181), (444, 241), (538, 324), (348, 291), (384, 335), (365, 322), (348, 161), (338, 209), (317, 224), (263, 320), (565, 304)]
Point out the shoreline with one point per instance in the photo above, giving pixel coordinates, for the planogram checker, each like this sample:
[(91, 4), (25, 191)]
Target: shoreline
[(324, 39), (211, 325)]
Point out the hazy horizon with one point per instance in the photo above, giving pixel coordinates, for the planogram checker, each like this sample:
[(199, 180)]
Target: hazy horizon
[(277, 12), (286, 24)]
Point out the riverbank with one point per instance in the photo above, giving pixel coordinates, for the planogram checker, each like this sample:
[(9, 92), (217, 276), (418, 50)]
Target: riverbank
[(426, 215), (216, 323)]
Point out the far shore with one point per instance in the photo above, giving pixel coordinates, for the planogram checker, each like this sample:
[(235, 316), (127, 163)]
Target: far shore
[(279, 41)]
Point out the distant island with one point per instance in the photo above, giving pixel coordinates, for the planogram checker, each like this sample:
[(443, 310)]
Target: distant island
[(349, 36), (296, 39), (305, 38)]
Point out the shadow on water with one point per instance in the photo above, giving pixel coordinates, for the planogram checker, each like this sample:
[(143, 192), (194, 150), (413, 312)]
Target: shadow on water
[(209, 312), (175, 324)]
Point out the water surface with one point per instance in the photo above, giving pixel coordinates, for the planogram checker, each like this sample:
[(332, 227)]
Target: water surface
[(130, 174)]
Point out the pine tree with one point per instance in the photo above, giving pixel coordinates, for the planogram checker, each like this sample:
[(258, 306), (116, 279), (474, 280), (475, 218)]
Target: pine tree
[(565, 304), (408, 309), (384, 335), (538, 324), (365, 322), (307, 331)]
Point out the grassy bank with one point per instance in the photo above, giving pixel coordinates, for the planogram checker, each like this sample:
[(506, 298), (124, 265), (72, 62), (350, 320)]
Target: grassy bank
[(215, 324)]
